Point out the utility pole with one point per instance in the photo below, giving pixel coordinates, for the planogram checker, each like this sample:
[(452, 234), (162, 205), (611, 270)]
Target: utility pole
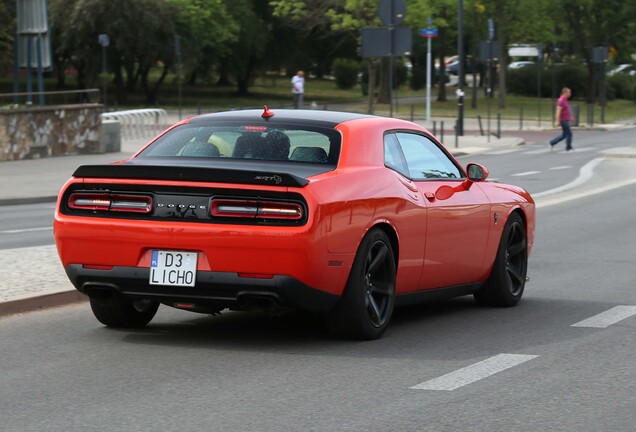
[(104, 41), (460, 70)]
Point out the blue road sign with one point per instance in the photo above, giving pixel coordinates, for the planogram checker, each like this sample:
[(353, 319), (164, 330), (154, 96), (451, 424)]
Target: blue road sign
[(428, 32)]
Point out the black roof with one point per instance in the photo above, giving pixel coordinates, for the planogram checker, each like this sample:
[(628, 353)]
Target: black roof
[(291, 116)]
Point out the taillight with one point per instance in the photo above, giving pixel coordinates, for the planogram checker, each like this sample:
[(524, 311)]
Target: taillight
[(110, 202), (131, 203), (86, 201), (253, 209)]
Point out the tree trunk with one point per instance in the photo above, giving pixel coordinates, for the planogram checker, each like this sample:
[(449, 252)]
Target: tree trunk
[(371, 86), (224, 80), (121, 95), (244, 77), (151, 96), (503, 55), (383, 88), (441, 93)]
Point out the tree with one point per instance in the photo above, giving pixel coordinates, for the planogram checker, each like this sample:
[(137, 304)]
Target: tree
[(592, 23), (141, 35), (207, 29), (7, 34), (246, 51)]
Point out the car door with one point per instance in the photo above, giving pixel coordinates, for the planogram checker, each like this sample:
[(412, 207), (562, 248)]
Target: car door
[(457, 219)]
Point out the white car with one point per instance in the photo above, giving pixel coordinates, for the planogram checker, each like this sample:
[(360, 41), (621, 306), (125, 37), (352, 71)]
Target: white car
[(625, 68), (520, 64)]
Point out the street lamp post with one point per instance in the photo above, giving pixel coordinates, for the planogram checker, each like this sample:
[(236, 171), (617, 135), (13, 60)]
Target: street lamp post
[(104, 41)]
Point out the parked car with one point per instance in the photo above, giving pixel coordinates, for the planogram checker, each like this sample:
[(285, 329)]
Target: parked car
[(342, 214), (453, 67), (626, 68), (521, 64)]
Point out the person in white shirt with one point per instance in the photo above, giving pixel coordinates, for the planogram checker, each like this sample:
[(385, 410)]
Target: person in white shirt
[(298, 88)]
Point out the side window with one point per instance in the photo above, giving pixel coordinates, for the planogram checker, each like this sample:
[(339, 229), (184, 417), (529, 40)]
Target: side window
[(425, 160), (393, 157)]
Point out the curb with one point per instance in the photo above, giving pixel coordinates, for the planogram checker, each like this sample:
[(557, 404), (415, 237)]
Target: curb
[(28, 200), (41, 302)]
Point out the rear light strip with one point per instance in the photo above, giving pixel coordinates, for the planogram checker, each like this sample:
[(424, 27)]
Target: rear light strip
[(110, 202), (252, 209)]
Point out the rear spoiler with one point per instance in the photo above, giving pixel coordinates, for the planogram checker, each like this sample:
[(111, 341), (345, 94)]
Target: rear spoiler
[(190, 173)]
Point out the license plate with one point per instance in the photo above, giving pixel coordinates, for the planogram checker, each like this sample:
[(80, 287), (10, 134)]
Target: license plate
[(173, 268)]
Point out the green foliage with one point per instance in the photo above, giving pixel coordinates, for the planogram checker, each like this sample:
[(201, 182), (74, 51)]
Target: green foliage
[(7, 32), (523, 82), (418, 76), (621, 86), (346, 72), (400, 73)]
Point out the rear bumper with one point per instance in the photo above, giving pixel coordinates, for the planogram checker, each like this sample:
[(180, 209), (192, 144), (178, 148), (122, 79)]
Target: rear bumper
[(212, 289)]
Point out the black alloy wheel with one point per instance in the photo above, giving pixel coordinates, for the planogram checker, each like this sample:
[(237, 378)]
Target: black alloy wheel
[(379, 281), (507, 279), (366, 306)]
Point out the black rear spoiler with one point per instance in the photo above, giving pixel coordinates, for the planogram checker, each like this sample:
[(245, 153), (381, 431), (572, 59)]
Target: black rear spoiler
[(191, 173)]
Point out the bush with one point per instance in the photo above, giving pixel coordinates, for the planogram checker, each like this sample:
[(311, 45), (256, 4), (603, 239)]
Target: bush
[(418, 76), (346, 73), (523, 82), (400, 73), (620, 86)]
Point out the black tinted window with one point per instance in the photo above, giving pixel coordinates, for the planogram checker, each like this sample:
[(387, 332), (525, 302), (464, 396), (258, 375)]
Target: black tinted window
[(234, 141)]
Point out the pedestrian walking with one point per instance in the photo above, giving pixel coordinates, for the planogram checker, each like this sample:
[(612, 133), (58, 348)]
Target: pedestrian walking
[(563, 118), (298, 88)]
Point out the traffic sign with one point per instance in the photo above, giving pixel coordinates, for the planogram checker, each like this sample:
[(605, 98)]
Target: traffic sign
[(429, 32)]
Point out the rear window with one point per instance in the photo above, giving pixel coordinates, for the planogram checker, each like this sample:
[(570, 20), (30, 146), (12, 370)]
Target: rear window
[(292, 143)]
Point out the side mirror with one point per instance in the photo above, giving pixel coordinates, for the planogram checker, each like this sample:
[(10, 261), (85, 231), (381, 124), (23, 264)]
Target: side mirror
[(476, 173)]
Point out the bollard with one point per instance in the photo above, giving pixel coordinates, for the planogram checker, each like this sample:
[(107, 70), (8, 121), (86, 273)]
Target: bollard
[(602, 114), (441, 130), (498, 125), (481, 128), (456, 127), (521, 117), (435, 127), (412, 109)]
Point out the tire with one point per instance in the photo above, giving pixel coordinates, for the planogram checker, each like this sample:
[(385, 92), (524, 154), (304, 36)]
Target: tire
[(365, 308), (124, 314), (507, 279)]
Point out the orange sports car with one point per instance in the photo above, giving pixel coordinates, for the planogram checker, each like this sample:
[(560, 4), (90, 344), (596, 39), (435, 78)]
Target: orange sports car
[(343, 214)]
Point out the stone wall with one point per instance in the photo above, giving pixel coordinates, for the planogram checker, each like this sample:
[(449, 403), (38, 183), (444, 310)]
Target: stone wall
[(36, 132)]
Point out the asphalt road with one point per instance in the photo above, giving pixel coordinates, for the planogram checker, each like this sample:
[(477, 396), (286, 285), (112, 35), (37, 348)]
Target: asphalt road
[(562, 360)]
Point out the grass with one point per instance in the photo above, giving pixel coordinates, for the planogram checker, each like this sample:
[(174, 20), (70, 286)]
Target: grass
[(275, 91)]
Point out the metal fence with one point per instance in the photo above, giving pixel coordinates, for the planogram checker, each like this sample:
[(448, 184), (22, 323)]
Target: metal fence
[(139, 123)]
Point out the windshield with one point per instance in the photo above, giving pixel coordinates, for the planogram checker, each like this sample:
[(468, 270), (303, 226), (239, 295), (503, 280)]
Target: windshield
[(243, 141)]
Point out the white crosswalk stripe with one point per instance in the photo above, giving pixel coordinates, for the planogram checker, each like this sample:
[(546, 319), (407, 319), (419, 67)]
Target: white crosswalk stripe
[(474, 372)]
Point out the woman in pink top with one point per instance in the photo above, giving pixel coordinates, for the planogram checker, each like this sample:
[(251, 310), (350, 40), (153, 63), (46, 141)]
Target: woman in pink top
[(563, 118)]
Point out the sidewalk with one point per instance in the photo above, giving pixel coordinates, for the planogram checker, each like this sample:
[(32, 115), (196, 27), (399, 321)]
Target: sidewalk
[(34, 279)]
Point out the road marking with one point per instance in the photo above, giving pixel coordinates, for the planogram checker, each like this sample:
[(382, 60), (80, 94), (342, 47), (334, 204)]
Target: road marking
[(579, 150), (500, 152), (585, 174), (527, 173), (24, 230), (536, 152), (474, 372), (607, 318), (561, 167)]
